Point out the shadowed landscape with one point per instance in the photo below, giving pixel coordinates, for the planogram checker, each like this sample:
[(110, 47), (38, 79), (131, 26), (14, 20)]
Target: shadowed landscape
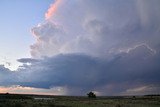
[(19, 100)]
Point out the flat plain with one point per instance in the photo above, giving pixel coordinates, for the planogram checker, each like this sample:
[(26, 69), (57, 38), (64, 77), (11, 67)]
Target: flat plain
[(16, 100)]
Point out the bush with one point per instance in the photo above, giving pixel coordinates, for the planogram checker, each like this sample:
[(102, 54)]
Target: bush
[(91, 95)]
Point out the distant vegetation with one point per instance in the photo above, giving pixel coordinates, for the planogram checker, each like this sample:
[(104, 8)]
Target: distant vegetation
[(14, 96), (91, 95), (153, 95), (16, 100)]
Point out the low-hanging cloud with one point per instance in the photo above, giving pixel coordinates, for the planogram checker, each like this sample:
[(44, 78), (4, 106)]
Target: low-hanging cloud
[(78, 71)]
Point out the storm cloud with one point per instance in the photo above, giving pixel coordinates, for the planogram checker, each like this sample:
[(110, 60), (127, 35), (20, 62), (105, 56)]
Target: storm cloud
[(137, 68), (98, 28), (108, 46)]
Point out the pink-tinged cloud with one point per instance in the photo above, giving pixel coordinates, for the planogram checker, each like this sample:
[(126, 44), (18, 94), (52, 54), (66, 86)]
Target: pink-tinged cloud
[(30, 90), (52, 9)]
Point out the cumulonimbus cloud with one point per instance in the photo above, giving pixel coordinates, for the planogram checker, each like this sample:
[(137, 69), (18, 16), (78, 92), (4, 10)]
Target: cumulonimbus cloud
[(83, 73), (98, 28), (108, 46)]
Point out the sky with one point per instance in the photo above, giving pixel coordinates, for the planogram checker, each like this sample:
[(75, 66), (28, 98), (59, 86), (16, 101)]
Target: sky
[(18, 17), (71, 47)]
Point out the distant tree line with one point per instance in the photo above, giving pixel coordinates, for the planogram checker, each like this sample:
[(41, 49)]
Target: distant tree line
[(13, 96)]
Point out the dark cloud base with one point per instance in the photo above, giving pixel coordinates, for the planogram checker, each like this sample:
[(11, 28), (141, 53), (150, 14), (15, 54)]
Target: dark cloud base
[(78, 71)]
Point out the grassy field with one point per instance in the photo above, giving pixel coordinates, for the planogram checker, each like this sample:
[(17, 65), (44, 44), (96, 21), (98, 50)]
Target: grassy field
[(66, 101)]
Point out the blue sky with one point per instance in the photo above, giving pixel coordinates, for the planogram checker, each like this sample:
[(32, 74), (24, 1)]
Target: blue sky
[(17, 19), (71, 47)]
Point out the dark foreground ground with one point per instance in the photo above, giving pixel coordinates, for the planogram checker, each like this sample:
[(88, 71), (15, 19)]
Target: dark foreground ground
[(12, 100)]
